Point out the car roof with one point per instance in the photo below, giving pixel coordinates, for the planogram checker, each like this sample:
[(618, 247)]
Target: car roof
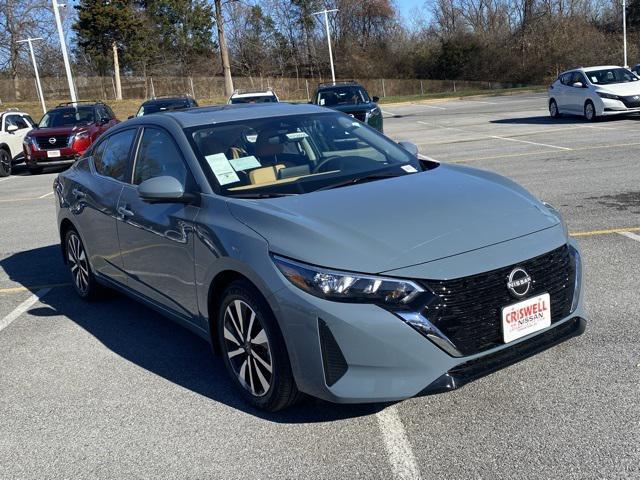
[(346, 83), (193, 117), (261, 93), (591, 69), (177, 98), (12, 110)]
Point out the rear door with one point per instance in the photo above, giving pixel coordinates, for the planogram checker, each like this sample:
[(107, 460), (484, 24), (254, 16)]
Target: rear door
[(95, 201), (156, 240)]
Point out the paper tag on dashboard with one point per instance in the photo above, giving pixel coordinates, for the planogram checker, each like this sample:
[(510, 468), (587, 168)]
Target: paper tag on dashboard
[(409, 168), (244, 163), (222, 169)]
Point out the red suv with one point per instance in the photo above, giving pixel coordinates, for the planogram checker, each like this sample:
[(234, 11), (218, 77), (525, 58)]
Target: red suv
[(65, 133)]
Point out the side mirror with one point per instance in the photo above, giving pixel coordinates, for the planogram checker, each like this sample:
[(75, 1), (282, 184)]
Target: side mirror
[(578, 85), (412, 148), (129, 117), (12, 128), (104, 121), (163, 190), (375, 99)]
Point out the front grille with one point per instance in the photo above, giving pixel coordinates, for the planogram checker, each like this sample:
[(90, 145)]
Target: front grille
[(468, 310), (631, 102), (362, 116), (44, 142)]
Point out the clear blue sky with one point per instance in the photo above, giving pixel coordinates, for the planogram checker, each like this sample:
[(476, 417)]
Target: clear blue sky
[(407, 6)]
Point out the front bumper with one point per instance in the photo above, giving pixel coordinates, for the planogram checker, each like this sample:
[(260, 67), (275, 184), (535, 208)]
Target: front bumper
[(607, 106), (371, 355), (40, 158)]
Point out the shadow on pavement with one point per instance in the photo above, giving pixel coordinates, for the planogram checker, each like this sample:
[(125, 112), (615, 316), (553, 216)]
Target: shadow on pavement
[(565, 120), (144, 337)]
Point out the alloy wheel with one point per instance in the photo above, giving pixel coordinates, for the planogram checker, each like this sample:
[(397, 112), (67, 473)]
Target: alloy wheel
[(78, 263), (553, 109), (247, 348), (589, 111), (5, 164)]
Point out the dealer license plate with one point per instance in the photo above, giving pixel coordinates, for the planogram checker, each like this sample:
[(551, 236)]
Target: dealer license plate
[(526, 317)]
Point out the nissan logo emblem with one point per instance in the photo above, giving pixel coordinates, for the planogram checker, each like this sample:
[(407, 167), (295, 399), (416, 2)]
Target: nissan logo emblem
[(52, 140), (519, 282)]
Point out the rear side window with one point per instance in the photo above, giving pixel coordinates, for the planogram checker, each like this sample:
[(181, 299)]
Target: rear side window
[(111, 157), (16, 120), (158, 156)]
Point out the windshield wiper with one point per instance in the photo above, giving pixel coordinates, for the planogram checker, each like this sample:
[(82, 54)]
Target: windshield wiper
[(261, 195), (365, 178)]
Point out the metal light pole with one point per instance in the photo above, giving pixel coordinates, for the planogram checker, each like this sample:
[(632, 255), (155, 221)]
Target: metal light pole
[(35, 69), (624, 31), (326, 24), (63, 46)]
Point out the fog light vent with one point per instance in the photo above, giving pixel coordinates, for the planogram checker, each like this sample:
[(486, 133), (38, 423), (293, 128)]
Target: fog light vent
[(335, 366)]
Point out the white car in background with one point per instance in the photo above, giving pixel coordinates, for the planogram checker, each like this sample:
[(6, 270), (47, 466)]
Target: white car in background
[(14, 126), (595, 92), (253, 96)]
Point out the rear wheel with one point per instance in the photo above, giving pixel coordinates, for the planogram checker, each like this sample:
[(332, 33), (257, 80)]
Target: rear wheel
[(590, 111), (253, 349), (5, 163), (82, 276), (553, 109)]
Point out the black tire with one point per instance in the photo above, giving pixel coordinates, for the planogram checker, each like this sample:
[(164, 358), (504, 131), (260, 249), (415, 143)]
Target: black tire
[(249, 348), (590, 111), (553, 109), (82, 278), (35, 170), (5, 163)]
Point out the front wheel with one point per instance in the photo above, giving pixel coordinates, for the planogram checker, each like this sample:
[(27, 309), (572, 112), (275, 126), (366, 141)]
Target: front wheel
[(589, 111), (253, 349), (553, 109), (5, 163)]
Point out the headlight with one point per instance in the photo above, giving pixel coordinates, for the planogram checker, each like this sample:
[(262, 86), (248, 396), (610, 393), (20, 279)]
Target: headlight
[(82, 135), (347, 287), (576, 263), (557, 214), (375, 112), (610, 96)]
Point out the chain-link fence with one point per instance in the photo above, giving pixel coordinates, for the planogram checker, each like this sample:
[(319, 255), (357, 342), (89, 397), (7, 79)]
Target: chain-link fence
[(103, 88)]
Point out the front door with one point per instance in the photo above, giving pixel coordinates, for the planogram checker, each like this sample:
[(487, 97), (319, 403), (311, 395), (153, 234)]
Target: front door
[(156, 240), (15, 138)]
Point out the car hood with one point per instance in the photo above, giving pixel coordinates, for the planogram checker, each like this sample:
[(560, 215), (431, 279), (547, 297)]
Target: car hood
[(624, 89), (398, 222), (41, 132)]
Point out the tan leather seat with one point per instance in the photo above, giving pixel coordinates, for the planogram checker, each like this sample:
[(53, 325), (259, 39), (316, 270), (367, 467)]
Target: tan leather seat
[(265, 174)]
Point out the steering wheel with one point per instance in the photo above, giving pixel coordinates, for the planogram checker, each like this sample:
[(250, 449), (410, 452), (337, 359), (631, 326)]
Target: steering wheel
[(357, 163)]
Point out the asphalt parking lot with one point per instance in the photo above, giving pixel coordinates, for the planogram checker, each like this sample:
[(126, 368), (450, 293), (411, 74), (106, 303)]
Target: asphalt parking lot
[(112, 389)]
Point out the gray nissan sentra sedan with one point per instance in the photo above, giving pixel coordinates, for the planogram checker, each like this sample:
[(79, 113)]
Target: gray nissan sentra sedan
[(316, 255)]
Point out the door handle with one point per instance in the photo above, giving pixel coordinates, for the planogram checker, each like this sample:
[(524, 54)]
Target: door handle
[(78, 194), (124, 212)]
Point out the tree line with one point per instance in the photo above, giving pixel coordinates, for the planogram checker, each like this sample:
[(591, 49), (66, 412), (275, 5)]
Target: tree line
[(518, 41)]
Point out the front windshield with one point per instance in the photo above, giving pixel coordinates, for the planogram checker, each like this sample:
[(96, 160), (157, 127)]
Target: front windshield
[(296, 154), (254, 99), (611, 75), (348, 95), (162, 106), (68, 117)]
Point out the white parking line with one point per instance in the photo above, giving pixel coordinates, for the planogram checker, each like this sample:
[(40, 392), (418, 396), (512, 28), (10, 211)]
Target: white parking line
[(632, 236), (403, 462), (429, 106), (23, 307), (387, 112), (530, 143), (5, 179), (478, 101), (424, 157), (46, 195)]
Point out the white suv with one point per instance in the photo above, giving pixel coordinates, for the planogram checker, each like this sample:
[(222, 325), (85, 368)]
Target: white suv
[(14, 126), (595, 92), (253, 96)]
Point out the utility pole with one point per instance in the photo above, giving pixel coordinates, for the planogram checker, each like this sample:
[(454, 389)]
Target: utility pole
[(35, 69), (326, 24), (624, 32), (224, 52), (116, 69), (63, 46)]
